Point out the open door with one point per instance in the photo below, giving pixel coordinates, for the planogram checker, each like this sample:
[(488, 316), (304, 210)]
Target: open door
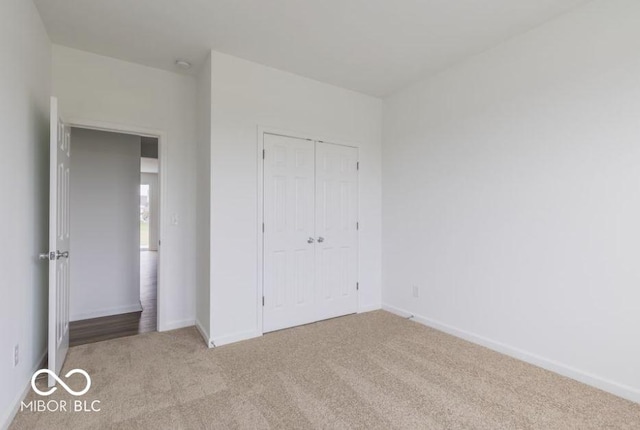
[(59, 236)]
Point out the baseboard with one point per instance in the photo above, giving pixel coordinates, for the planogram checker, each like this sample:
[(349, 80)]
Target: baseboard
[(369, 308), (601, 383), (397, 311), (204, 334), (5, 421), (174, 325), (237, 337), (107, 312)]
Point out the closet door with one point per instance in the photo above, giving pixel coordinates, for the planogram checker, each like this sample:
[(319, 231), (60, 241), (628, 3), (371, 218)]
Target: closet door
[(336, 230), (289, 236)]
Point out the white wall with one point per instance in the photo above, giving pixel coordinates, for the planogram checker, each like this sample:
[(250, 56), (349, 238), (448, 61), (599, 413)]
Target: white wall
[(25, 86), (105, 224), (151, 179), (149, 165), (246, 95), (103, 89), (511, 197), (203, 202)]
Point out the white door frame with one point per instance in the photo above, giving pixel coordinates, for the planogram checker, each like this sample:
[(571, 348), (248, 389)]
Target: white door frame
[(261, 130), (162, 179)]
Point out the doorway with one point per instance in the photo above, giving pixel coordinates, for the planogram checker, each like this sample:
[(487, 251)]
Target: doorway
[(149, 232), (114, 209)]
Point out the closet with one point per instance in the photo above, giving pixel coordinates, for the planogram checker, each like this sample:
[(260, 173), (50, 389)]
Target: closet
[(310, 231)]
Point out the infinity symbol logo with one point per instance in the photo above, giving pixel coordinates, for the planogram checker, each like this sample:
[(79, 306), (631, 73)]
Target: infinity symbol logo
[(59, 381)]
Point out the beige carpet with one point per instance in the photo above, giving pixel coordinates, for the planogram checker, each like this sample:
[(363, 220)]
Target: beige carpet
[(368, 371)]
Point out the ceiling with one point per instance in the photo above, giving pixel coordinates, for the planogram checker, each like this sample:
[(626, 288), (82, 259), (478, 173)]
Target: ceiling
[(371, 46)]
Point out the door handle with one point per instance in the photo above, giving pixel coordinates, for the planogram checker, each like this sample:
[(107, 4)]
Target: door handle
[(310, 240), (53, 255), (320, 239)]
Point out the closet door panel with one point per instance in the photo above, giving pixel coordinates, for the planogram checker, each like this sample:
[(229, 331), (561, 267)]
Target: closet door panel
[(289, 232), (336, 229)]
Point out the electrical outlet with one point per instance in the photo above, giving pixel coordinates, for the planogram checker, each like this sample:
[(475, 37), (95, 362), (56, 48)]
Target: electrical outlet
[(16, 355), (416, 291)]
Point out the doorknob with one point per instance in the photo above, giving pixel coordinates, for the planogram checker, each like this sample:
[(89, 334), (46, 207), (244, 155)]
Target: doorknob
[(320, 239), (53, 255), (310, 240)]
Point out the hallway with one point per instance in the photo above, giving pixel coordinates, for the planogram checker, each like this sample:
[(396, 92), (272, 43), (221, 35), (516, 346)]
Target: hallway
[(129, 324)]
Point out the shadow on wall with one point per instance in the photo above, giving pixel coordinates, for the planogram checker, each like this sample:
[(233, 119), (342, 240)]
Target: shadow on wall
[(40, 196)]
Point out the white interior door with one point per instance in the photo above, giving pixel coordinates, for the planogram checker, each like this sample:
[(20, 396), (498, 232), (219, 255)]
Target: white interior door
[(288, 282), (59, 236), (336, 230)]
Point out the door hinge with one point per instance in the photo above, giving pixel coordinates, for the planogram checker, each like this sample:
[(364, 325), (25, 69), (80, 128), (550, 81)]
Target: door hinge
[(263, 227), (357, 225), (263, 154), (358, 165), (357, 286), (262, 300)]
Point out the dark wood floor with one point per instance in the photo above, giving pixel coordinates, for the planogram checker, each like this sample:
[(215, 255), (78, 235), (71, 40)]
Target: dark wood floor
[(129, 324)]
